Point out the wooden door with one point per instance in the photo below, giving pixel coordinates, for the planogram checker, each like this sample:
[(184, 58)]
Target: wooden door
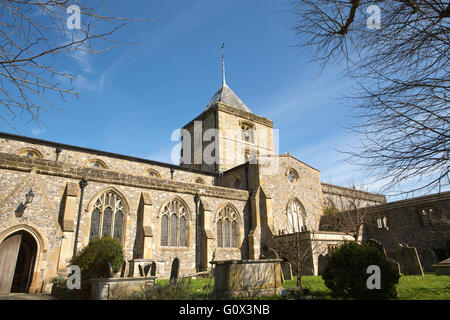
[(9, 249)]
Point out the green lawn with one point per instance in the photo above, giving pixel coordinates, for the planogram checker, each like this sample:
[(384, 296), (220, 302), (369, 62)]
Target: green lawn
[(428, 287)]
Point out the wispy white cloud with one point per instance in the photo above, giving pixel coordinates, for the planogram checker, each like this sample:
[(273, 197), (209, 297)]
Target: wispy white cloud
[(81, 52), (37, 130), (97, 85)]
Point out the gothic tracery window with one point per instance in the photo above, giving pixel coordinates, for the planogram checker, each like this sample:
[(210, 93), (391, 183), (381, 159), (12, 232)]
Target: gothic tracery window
[(174, 224), (107, 216), (295, 216), (227, 228)]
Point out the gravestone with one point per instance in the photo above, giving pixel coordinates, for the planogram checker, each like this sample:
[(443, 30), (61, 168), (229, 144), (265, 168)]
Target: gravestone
[(147, 269), (442, 268), (409, 260), (110, 270), (153, 269), (174, 271), (322, 261), (428, 259), (141, 271), (124, 268), (286, 270), (140, 267), (376, 244), (396, 266)]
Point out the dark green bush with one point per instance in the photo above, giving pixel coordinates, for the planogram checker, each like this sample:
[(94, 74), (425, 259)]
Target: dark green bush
[(346, 272), (94, 259)]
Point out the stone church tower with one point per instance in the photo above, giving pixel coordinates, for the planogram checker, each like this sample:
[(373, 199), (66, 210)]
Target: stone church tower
[(226, 134)]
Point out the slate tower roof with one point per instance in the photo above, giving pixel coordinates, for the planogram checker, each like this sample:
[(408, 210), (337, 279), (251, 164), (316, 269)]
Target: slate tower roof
[(225, 95)]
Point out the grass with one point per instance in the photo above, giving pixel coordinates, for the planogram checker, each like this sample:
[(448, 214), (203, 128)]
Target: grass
[(428, 287), (202, 288), (314, 283)]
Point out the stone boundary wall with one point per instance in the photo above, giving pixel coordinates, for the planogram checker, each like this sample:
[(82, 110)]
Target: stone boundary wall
[(422, 222), (53, 168), (343, 191)]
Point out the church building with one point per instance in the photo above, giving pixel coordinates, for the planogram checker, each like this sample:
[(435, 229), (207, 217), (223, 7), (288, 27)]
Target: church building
[(55, 198)]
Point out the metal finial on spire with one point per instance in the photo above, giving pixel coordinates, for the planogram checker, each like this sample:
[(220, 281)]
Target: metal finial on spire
[(223, 64)]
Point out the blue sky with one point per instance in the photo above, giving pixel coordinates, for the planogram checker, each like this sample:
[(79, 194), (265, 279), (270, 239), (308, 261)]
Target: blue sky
[(134, 96)]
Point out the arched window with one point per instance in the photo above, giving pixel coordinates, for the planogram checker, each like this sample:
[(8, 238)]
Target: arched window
[(292, 175), (165, 230), (295, 216), (96, 163), (199, 181), (107, 216), (174, 224), (247, 131), (227, 231), (329, 207), (30, 153), (152, 173)]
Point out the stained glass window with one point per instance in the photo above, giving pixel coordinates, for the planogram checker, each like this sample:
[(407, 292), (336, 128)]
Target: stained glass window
[(95, 224), (234, 234), (118, 224), (173, 230), (107, 222), (107, 216), (164, 230), (219, 234), (182, 232), (177, 227), (227, 230)]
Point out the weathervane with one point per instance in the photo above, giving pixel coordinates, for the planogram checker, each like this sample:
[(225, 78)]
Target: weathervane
[(223, 64)]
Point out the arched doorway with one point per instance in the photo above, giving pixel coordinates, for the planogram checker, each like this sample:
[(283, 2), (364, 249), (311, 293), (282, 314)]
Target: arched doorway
[(17, 260)]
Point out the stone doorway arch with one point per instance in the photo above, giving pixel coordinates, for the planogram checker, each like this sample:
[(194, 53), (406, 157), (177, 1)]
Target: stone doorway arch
[(20, 252), (17, 260)]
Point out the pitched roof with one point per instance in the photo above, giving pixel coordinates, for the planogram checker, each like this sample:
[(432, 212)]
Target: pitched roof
[(226, 96)]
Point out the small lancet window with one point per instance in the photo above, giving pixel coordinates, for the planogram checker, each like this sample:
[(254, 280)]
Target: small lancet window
[(247, 132)]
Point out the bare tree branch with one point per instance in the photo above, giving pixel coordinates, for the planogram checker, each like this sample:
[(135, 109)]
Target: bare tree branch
[(401, 105), (33, 35)]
